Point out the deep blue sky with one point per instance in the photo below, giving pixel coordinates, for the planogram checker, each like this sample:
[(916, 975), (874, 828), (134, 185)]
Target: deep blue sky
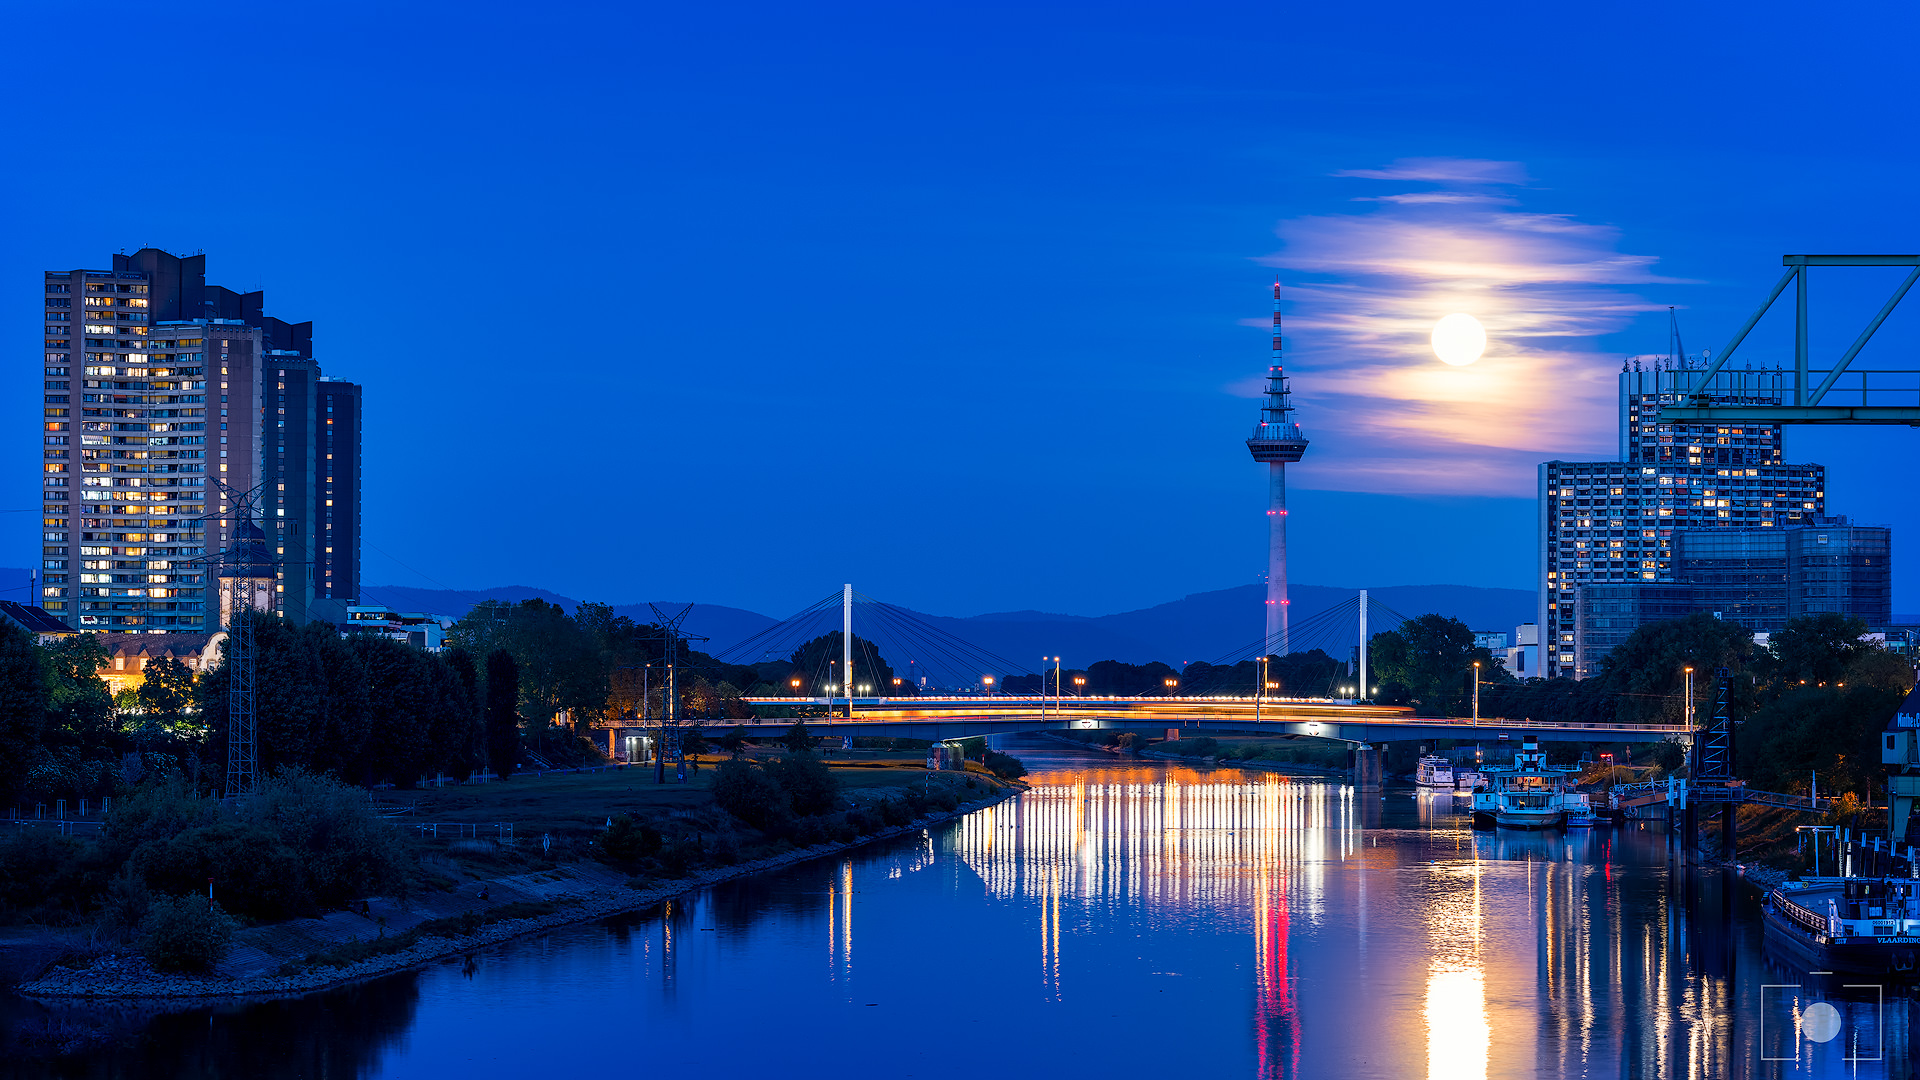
[(736, 303)]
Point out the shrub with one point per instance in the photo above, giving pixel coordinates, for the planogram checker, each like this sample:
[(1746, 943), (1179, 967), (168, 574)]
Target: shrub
[(625, 842), (1669, 756), (895, 811), (811, 787), (302, 844), (1201, 747), (809, 831), (748, 793), (48, 877), (1008, 767), (126, 903), (186, 933)]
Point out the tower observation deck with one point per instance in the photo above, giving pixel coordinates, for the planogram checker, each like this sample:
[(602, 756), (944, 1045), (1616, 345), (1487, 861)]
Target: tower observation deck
[(1275, 442)]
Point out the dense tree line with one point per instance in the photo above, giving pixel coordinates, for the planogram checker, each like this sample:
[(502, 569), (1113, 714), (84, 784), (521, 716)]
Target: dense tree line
[(593, 665), (59, 733)]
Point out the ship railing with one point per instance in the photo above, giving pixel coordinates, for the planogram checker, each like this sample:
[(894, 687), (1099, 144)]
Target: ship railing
[(1816, 923)]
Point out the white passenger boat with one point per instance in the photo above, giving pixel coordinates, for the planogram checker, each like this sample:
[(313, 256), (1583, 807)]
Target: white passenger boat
[(1529, 795), (1434, 771)]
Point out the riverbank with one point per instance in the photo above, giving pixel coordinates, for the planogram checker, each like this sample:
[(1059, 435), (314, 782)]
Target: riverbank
[(306, 955)]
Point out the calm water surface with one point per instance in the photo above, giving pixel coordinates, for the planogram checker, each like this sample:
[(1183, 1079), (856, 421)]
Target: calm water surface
[(1122, 919)]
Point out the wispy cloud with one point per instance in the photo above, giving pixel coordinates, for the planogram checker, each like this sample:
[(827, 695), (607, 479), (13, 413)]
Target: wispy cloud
[(1446, 171), (1366, 289)]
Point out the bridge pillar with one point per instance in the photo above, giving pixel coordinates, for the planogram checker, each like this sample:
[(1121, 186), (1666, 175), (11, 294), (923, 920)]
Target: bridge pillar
[(1366, 768), (1728, 829)]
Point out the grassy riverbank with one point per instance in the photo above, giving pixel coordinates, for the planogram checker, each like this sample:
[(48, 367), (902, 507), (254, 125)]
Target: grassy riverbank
[(473, 883)]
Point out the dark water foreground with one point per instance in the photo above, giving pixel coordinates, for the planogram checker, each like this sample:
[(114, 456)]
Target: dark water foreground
[(1122, 919)]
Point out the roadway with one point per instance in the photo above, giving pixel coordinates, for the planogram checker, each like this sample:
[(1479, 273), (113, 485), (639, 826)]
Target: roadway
[(1355, 723)]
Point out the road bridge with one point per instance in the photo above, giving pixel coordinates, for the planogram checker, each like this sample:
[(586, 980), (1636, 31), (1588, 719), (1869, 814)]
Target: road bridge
[(1356, 723), (1360, 725)]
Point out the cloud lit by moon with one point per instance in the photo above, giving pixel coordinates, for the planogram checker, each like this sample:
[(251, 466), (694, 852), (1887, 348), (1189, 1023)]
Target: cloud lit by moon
[(1364, 291)]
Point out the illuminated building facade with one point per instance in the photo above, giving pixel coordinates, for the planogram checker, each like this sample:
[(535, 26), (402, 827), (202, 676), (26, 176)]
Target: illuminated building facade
[(159, 390), (1647, 537)]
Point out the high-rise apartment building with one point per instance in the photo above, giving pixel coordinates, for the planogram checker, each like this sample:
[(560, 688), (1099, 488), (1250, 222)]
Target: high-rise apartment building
[(1614, 522), (165, 398)]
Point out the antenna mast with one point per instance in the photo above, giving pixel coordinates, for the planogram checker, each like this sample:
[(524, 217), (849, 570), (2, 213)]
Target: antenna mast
[(1275, 442)]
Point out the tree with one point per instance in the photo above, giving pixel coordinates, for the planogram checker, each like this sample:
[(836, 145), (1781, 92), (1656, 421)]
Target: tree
[(560, 666), (748, 793), (166, 692), (23, 705), (464, 693), (796, 739), (1428, 662), (403, 703), (1128, 680), (1646, 673), (1815, 650), (502, 713), (811, 787), (79, 705), (817, 664)]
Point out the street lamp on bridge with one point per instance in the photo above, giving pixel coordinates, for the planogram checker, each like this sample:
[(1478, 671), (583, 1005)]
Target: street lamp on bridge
[(986, 682), (1476, 692), (1080, 685), (1171, 683)]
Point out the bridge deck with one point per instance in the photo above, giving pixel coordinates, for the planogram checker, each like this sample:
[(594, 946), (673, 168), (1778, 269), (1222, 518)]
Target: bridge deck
[(1343, 721)]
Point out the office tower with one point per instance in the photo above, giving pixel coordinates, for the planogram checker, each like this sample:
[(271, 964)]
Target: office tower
[(1661, 534), (179, 399), (1757, 578), (1275, 442)]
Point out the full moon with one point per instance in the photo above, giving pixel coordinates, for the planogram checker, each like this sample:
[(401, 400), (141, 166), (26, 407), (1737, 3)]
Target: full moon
[(1459, 339)]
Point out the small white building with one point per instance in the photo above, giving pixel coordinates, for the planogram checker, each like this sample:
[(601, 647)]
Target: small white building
[(417, 628), (1523, 656)]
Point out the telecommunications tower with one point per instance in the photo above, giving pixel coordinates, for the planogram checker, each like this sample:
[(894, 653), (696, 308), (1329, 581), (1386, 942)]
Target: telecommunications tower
[(1276, 440)]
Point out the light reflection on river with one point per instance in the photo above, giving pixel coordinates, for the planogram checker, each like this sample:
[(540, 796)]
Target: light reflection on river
[(1121, 919)]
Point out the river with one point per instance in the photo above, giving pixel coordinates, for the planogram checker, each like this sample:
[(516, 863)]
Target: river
[(1121, 919)]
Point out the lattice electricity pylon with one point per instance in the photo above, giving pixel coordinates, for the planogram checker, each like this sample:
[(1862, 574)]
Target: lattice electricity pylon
[(670, 713), (245, 559), (1714, 751)]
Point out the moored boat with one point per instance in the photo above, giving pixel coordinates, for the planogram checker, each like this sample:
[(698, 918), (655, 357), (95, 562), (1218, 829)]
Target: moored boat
[(1868, 926), (1434, 771), (1529, 795)]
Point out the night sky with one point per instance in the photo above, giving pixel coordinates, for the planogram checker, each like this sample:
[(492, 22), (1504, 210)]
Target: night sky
[(966, 303)]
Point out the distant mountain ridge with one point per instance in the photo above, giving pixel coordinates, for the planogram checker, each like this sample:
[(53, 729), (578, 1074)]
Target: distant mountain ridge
[(1200, 626)]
